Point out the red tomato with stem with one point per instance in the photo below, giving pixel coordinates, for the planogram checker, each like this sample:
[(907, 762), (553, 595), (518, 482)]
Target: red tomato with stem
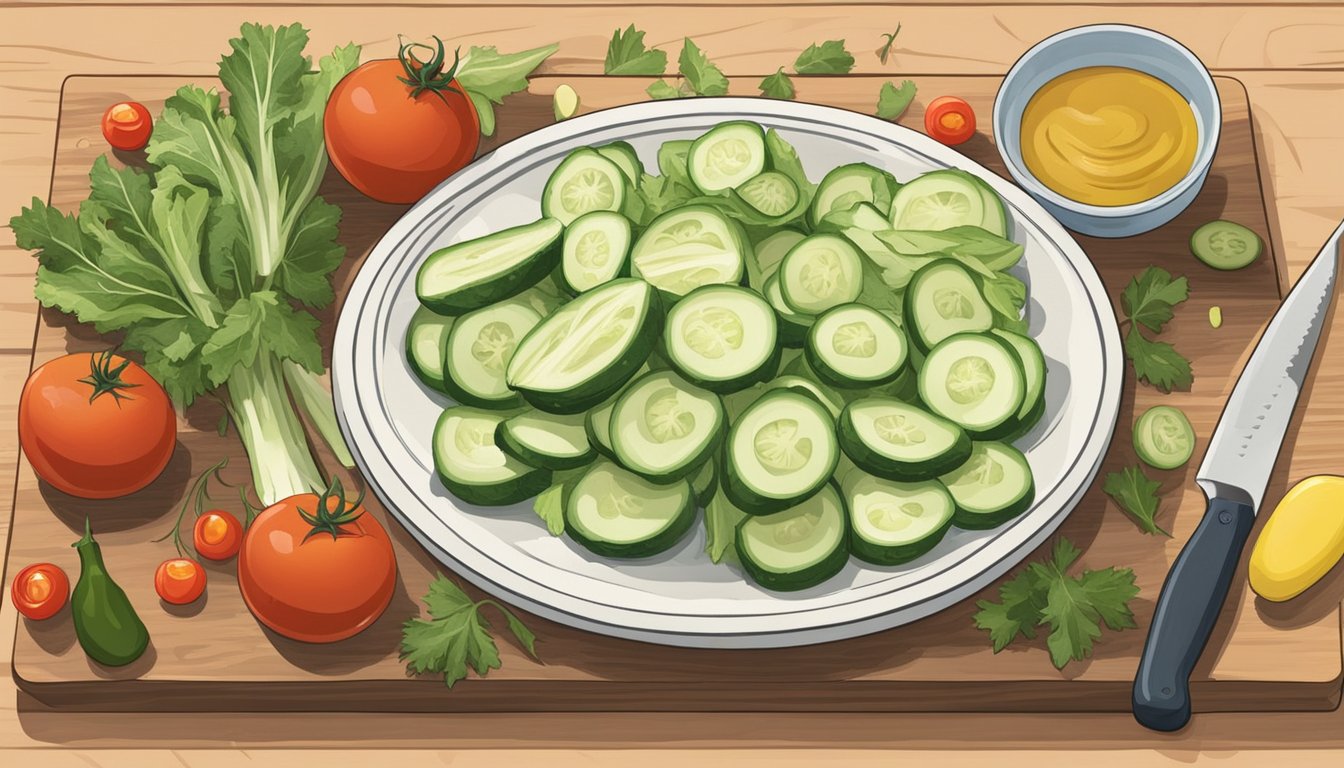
[(127, 125), (317, 568), (949, 119), (217, 535), (96, 425), (179, 581), (40, 591), (395, 128)]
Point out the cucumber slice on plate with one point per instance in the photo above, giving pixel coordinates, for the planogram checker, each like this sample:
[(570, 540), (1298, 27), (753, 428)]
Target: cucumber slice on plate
[(473, 468), (796, 548), (663, 428), (779, 452), (1033, 379), (770, 193), (770, 251), (820, 272), (584, 181), (625, 158), (939, 200), (1163, 437), (705, 482), (899, 441), (848, 186), (854, 346), (974, 380), (829, 399), (726, 156), (688, 247), (478, 350), (672, 161), (893, 522), (941, 300), (722, 338), (992, 487), (596, 250), (792, 326), (546, 440), (588, 349), (425, 338), (468, 275), (996, 213), (615, 513)]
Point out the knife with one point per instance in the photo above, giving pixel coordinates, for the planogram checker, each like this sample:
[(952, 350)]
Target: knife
[(1233, 477)]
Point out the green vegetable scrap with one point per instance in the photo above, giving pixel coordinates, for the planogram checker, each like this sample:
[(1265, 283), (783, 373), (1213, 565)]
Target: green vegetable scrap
[(457, 635), (1137, 496), (893, 100), (626, 55), (1148, 301), (488, 76), (828, 58), (699, 76), (890, 40), (778, 86)]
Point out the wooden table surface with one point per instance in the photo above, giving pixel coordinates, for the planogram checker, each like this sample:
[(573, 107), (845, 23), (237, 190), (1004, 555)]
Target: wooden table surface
[(1288, 54)]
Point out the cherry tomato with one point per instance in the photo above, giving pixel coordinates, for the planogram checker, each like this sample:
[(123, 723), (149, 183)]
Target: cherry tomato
[(40, 591), (127, 125), (217, 535), (949, 119), (179, 581), (96, 425), (393, 141)]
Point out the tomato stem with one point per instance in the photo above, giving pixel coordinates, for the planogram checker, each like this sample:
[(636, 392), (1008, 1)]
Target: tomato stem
[(105, 379), (196, 497), (325, 520), (429, 75)]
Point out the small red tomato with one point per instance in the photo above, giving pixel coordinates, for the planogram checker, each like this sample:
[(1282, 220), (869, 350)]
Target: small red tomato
[(179, 581), (127, 125), (217, 535), (950, 120), (40, 590)]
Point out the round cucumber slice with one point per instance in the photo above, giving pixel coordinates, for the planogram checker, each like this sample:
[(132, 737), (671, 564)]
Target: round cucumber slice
[(779, 452), (893, 522), (478, 350), (584, 181), (798, 547), (664, 427), (705, 482), (1163, 437), (473, 468), (772, 193), (615, 513), (596, 250), (426, 336), (942, 299), (820, 272), (848, 186), (974, 380), (792, 326), (854, 346), (938, 200), (770, 252), (688, 247), (1226, 245), (1033, 378), (546, 440), (726, 156), (899, 441), (992, 487), (722, 338)]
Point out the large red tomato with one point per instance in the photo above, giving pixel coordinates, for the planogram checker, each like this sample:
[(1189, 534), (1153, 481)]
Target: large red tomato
[(395, 128)]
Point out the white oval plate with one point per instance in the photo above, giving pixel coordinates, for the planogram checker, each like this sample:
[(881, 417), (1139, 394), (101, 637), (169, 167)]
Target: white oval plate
[(680, 597)]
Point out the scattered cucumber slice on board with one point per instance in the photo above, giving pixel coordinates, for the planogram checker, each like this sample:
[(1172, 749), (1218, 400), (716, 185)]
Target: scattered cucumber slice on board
[(596, 250), (992, 487), (426, 335), (616, 513), (771, 193), (478, 350), (584, 181), (663, 428), (726, 156), (473, 468), (974, 380), (625, 158), (820, 272), (798, 547), (779, 452), (854, 346), (471, 274), (941, 300), (688, 247), (1226, 245), (895, 440), (546, 440), (894, 522), (849, 185), (792, 326), (722, 338), (1033, 380), (1163, 437), (939, 200)]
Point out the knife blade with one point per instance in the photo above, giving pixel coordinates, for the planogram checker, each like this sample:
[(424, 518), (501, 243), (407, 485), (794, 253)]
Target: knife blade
[(1233, 476)]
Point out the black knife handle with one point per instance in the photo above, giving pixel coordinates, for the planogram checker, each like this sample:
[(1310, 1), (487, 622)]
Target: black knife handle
[(1186, 611)]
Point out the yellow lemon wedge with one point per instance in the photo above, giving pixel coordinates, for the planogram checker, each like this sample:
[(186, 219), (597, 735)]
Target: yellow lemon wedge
[(1302, 540)]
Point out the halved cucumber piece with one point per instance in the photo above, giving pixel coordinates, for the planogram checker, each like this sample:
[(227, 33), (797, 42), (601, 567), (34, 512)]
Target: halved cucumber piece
[(1163, 437), (771, 193), (848, 186), (942, 299), (615, 513), (779, 452), (1033, 379), (854, 346), (820, 272), (992, 487), (770, 251), (798, 547), (726, 156), (705, 482), (791, 326), (468, 275), (478, 350), (938, 200), (546, 440), (426, 335), (625, 158), (899, 441), (894, 522), (596, 250), (722, 338), (473, 468), (584, 181), (688, 247), (588, 349), (663, 427), (976, 381)]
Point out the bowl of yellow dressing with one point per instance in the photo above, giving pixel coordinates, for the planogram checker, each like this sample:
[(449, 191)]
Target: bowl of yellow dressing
[(1111, 127)]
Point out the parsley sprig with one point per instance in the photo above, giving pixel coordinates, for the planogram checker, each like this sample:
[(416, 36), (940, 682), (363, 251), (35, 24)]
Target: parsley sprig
[(457, 635), (1137, 496), (1148, 301)]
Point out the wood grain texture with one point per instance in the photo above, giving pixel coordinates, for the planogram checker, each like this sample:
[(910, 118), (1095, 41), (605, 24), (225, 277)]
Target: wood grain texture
[(941, 663)]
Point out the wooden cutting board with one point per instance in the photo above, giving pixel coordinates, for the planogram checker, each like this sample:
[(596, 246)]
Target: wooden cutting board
[(214, 656)]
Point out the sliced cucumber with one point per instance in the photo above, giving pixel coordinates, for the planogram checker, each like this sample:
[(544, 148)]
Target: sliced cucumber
[(1033, 380), (941, 300), (468, 275), (478, 350), (829, 398), (705, 482), (596, 250), (893, 522), (625, 158), (688, 247), (798, 547), (597, 427), (820, 272), (771, 193), (722, 338), (792, 326), (663, 427), (939, 200), (992, 487), (546, 440), (726, 156), (976, 381), (584, 181), (588, 349), (473, 468), (672, 161), (848, 186), (770, 251), (1163, 437), (854, 346), (615, 513), (1226, 245), (996, 213), (426, 336), (899, 441), (780, 451)]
